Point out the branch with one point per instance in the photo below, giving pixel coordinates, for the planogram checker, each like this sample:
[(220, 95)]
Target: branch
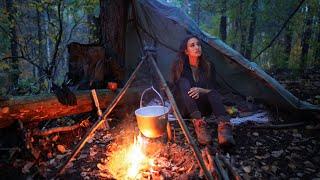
[(281, 29), (74, 27), (52, 68), (5, 31), (279, 126), (84, 123)]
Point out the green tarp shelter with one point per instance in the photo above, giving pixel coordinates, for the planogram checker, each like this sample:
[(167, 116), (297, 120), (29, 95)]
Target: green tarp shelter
[(167, 26)]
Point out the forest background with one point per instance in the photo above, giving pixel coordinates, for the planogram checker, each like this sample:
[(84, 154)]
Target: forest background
[(276, 34)]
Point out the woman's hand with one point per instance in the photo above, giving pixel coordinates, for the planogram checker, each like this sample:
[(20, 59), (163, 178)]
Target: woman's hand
[(194, 92)]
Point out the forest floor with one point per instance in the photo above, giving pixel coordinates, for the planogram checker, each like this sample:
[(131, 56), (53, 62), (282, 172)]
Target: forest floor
[(260, 153)]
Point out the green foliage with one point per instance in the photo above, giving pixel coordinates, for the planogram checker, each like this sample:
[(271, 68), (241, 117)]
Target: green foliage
[(37, 29), (270, 15)]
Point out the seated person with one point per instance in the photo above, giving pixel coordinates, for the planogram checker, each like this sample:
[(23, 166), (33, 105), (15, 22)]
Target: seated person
[(194, 89)]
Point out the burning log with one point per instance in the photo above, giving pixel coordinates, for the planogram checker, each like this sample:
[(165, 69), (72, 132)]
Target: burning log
[(46, 106)]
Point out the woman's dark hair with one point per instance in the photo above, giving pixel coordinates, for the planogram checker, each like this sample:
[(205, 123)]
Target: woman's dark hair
[(177, 67)]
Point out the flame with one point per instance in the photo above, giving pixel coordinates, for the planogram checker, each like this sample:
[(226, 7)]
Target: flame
[(128, 162), (136, 157)]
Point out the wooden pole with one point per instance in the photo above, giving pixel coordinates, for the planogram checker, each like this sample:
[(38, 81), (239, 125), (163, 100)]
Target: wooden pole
[(180, 120), (234, 173), (221, 171), (99, 121)]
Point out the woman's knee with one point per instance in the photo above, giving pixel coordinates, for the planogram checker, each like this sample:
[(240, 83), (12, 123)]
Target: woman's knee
[(213, 93)]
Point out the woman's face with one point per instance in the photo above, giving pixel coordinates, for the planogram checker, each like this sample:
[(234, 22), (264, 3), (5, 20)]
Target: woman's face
[(193, 48)]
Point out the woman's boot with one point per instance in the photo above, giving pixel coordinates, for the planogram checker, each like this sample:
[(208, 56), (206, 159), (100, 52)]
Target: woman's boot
[(202, 133), (225, 136)]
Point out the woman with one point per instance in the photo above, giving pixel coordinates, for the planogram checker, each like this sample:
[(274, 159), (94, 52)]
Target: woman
[(194, 82)]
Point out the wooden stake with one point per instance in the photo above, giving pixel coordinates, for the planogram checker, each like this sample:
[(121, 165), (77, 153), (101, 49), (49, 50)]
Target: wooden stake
[(99, 121), (105, 125), (180, 120)]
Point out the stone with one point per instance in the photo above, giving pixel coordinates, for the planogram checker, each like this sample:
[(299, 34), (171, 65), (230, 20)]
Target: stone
[(276, 154), (274, 169), (265, 168), (255, 134), (283, 176), (308, 164), (247, 169), (292, 166), (299, 174)]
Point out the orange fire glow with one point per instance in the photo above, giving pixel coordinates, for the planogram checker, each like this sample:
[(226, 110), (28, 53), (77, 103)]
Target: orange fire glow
[(128, 162)]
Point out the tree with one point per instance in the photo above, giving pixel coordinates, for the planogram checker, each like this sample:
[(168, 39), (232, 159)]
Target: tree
[(113, 24), (13, 41), (252, 27), (306, 35), (287, 43), (223, 21), (242, 27), (317, 47)]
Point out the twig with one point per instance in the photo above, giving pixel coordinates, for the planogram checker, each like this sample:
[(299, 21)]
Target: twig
[(58, 129), (279, 126)]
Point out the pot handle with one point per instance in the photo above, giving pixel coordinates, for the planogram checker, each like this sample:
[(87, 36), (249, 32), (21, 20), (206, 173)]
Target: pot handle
[(150, 88)]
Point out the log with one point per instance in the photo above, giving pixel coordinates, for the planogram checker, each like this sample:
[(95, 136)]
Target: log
[(46, 106)]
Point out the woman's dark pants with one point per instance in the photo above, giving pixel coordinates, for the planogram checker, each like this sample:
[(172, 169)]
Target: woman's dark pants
[(196, 108)]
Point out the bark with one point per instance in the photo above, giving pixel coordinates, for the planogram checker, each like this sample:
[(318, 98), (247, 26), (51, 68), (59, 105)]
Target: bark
[(252, 29), (113, 23), (13, 44), (306, 35), (46, 106), (223, 21)]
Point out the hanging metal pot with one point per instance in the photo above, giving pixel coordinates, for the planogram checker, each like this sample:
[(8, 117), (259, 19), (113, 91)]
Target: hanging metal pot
[(152, 120)]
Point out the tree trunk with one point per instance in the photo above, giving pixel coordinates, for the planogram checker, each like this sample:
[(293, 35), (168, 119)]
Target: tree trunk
[(252, 28), (48, 43), (306, 38), (198, 9), (46, 106), (40, 57), (223, 21), (113, 23), (287, 44), (13, 44), (242, 28), (317, 51)]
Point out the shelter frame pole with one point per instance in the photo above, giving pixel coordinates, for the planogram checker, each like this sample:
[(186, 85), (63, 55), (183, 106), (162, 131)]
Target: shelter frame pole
[(180, 120), (100, 120)]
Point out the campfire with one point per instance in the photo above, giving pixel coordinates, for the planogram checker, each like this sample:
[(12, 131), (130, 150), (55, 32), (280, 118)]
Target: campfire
[(126, 163), (132, 156)]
